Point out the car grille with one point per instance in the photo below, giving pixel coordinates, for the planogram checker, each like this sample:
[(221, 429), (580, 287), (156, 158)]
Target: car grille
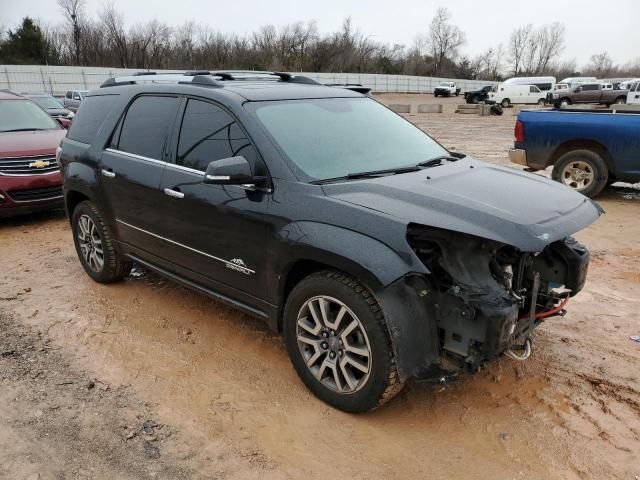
[(35, 194), (33, 165)]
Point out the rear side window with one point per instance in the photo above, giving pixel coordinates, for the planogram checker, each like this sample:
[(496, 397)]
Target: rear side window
[(90, 117), (146, 126), (209, 133)]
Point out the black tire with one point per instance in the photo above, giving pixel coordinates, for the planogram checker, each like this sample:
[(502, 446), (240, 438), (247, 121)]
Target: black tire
[(435, 94), (114, 266), (475, 99), (542, 101), (506, 103), (383, 381), (596, 164), (620, 101), (496, 109)]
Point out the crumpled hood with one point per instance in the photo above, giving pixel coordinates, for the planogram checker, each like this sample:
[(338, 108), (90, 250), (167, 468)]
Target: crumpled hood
[(517, 208)]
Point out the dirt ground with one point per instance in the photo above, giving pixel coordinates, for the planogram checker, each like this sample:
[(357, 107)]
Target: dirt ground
[(145, 379)]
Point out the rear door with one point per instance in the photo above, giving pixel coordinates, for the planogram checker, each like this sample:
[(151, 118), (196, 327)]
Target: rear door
[(216, 233), (131, 169)]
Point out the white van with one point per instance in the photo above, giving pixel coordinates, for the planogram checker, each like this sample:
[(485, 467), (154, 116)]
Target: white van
[(507, 94), (626, 85), (543, 83), (607, 86), (633, 97), (575, 81)]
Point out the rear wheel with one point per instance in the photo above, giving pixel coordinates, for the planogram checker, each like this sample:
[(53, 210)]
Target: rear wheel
[(94, 245), (583, 170), (338, 342), (505, 103)]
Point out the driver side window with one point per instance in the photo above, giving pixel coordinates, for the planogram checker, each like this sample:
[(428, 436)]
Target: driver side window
[(209, 133)]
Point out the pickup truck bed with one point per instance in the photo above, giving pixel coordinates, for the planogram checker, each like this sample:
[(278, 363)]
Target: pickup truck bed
[(587, 148)]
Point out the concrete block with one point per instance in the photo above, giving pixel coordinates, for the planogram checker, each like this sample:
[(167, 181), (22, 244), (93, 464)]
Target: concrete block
[(430, 108), (468, 109), (626, 108), (485, 110), (400, 107)]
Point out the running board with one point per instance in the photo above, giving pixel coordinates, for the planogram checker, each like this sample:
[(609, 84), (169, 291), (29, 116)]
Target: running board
[(210, 293)]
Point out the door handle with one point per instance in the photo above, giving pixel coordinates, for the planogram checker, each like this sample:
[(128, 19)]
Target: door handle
[(108, 173), (173, 193)]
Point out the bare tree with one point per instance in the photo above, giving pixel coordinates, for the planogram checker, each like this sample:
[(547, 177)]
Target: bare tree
[(519, 42), (74, 14), (600, 64), (445, 39), (112, 21)]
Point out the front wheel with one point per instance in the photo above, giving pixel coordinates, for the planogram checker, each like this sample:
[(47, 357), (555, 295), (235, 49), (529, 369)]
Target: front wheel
[(337, 338), (95, 246), (475, 99), (583, 170), (505, 103), (542, 101)]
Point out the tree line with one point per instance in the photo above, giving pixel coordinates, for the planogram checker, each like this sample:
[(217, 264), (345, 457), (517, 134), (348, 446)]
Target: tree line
[(107, 41)]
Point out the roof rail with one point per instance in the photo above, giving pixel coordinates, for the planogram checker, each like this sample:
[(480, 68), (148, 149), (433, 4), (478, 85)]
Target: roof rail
[(203, 77)]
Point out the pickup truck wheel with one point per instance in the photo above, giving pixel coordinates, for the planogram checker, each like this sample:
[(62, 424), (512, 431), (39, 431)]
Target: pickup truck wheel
[(583, 170), (94, 245), (338, 342), (505, 103), (620, 101), (475, 99)]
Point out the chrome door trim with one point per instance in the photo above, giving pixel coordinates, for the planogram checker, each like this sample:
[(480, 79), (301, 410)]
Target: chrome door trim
[(229, 264)]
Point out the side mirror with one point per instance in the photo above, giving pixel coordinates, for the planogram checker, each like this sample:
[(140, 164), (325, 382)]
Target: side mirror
[(231, 171), (64, 122)]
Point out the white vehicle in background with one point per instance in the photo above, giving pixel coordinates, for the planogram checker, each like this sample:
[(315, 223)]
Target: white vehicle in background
[(607, 86), (575, 81), (508, 94), (543, 83), (559, 87), (626, 85), (446, 89), (633, 97)]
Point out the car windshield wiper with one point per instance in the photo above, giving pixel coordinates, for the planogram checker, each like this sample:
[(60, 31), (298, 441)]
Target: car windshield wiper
[(434, 162), (22, 130), (370, 174)]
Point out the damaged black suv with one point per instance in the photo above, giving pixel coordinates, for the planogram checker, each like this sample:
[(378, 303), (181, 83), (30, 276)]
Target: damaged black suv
[(378, 254)]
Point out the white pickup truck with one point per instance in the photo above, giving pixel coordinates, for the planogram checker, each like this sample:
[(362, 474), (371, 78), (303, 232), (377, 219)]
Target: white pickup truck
[(446, 89)]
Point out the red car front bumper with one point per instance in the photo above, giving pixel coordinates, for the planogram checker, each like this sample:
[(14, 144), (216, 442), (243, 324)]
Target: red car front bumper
[(30, 193)]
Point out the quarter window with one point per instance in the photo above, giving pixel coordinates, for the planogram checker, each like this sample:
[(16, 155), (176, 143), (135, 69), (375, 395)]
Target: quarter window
[(209, 133), (146, 126)]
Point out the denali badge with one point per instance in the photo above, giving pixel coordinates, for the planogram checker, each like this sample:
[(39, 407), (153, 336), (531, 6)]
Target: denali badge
[(238, 265), (39, 164)]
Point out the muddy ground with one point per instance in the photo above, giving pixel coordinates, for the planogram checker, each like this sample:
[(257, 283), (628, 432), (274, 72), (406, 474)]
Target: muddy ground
[(144, 379)]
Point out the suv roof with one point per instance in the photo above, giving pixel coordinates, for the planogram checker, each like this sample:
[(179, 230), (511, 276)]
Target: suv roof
[(253, 86)]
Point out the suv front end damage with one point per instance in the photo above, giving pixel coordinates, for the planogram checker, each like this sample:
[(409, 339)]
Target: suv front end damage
[(488, 297)]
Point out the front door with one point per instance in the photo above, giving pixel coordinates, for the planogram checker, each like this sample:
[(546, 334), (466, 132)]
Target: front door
[(131, 169), (217, 233)]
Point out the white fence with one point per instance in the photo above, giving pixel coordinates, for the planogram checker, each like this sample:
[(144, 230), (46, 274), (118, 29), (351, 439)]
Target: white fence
[(57, 80)]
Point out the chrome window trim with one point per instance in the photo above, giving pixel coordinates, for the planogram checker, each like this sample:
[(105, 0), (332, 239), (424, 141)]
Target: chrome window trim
[(229, 264), (134, 155)]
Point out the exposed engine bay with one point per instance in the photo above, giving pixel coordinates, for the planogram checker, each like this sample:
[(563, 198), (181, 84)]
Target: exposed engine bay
[(488, 296)]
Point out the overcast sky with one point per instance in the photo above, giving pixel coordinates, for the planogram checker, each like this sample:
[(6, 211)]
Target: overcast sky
[(592, 26)]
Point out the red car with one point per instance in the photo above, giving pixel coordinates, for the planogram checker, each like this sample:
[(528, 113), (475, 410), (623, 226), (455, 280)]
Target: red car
[(30, 179)]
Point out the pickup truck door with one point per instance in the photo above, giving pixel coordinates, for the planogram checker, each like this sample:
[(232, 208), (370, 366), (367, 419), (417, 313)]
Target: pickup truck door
[(214, 234)]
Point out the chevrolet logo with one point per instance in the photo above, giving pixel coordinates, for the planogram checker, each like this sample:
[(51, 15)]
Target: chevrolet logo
[(39, 164)]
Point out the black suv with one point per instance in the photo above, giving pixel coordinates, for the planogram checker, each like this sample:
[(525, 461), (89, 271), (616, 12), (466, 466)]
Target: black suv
[(378, 254)]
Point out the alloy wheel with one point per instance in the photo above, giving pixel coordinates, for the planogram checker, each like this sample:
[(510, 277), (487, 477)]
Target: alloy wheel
[(90, 243), (578, 175), (334, 344)]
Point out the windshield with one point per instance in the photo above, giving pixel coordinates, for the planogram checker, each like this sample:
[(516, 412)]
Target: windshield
[(17, 115), (444, 84), (334, 137), (47, 102)]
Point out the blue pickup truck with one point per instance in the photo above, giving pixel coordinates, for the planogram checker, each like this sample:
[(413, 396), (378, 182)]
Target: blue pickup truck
[(589, 149)]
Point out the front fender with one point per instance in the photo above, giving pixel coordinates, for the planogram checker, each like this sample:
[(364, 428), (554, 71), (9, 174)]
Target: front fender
[(371, 261)]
